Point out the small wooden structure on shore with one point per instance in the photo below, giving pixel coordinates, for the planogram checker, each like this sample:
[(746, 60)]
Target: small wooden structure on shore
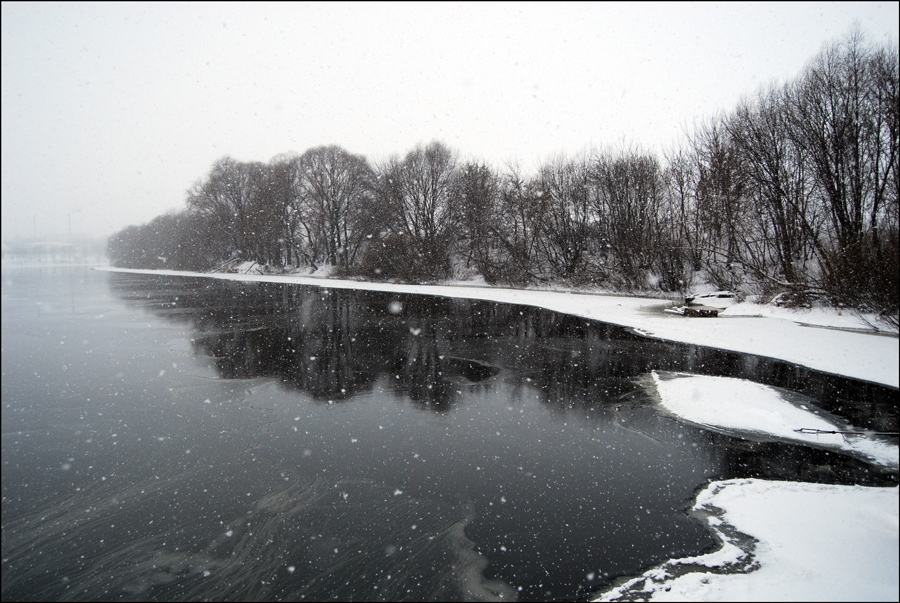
[(696, 312)]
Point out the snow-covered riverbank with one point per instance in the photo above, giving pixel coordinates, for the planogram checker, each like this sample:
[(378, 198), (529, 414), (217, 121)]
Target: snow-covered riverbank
[(830, 341), (781, 540)]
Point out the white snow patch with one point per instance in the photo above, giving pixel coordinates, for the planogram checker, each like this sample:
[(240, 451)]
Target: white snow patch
[(747, 408), (816, 317), (814, 542)]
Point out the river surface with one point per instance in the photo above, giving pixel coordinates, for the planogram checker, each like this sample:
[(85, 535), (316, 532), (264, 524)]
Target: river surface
[(173, 438)]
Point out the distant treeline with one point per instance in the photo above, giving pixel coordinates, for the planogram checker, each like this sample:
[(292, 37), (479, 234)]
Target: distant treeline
[(795, 191)]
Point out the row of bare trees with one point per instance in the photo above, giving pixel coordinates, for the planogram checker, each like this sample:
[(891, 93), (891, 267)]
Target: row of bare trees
[(296, 209), (794, 191), (797, 188)]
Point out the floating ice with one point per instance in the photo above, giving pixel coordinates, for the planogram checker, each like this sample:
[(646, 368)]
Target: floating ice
[(751, 410)]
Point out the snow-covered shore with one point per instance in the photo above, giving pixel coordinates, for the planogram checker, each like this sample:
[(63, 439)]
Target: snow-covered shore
[(784, 541), (829, 341), (780, 540)]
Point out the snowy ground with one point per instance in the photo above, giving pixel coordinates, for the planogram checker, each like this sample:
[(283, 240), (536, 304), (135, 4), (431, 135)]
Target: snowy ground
[(753, 411), (780, 540), (784, 541)]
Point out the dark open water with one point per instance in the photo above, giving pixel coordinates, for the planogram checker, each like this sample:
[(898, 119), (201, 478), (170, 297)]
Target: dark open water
[(193, 439)]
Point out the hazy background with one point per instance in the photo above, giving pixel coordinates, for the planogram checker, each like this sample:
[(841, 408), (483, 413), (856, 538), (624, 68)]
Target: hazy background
[(111, 111)]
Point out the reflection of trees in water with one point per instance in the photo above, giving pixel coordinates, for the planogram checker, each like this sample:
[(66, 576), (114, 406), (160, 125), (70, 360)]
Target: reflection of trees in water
[(421, 366), (337, 343), (312, 340), (322, 358)]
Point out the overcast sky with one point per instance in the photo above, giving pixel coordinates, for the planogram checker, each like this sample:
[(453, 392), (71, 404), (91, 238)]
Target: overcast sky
[(111, 111)]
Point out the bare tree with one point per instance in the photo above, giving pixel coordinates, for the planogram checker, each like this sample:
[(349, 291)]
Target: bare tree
[(782, 229), (719, 201), (845, 118), (516, 231), (335, 186), (476, 191), (225, 199), (629, 202), (681, 179), (418, 191), (564, 187), (282, 208)]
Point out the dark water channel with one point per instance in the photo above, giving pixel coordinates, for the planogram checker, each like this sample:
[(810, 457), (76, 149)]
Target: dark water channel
[(193, 439)]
